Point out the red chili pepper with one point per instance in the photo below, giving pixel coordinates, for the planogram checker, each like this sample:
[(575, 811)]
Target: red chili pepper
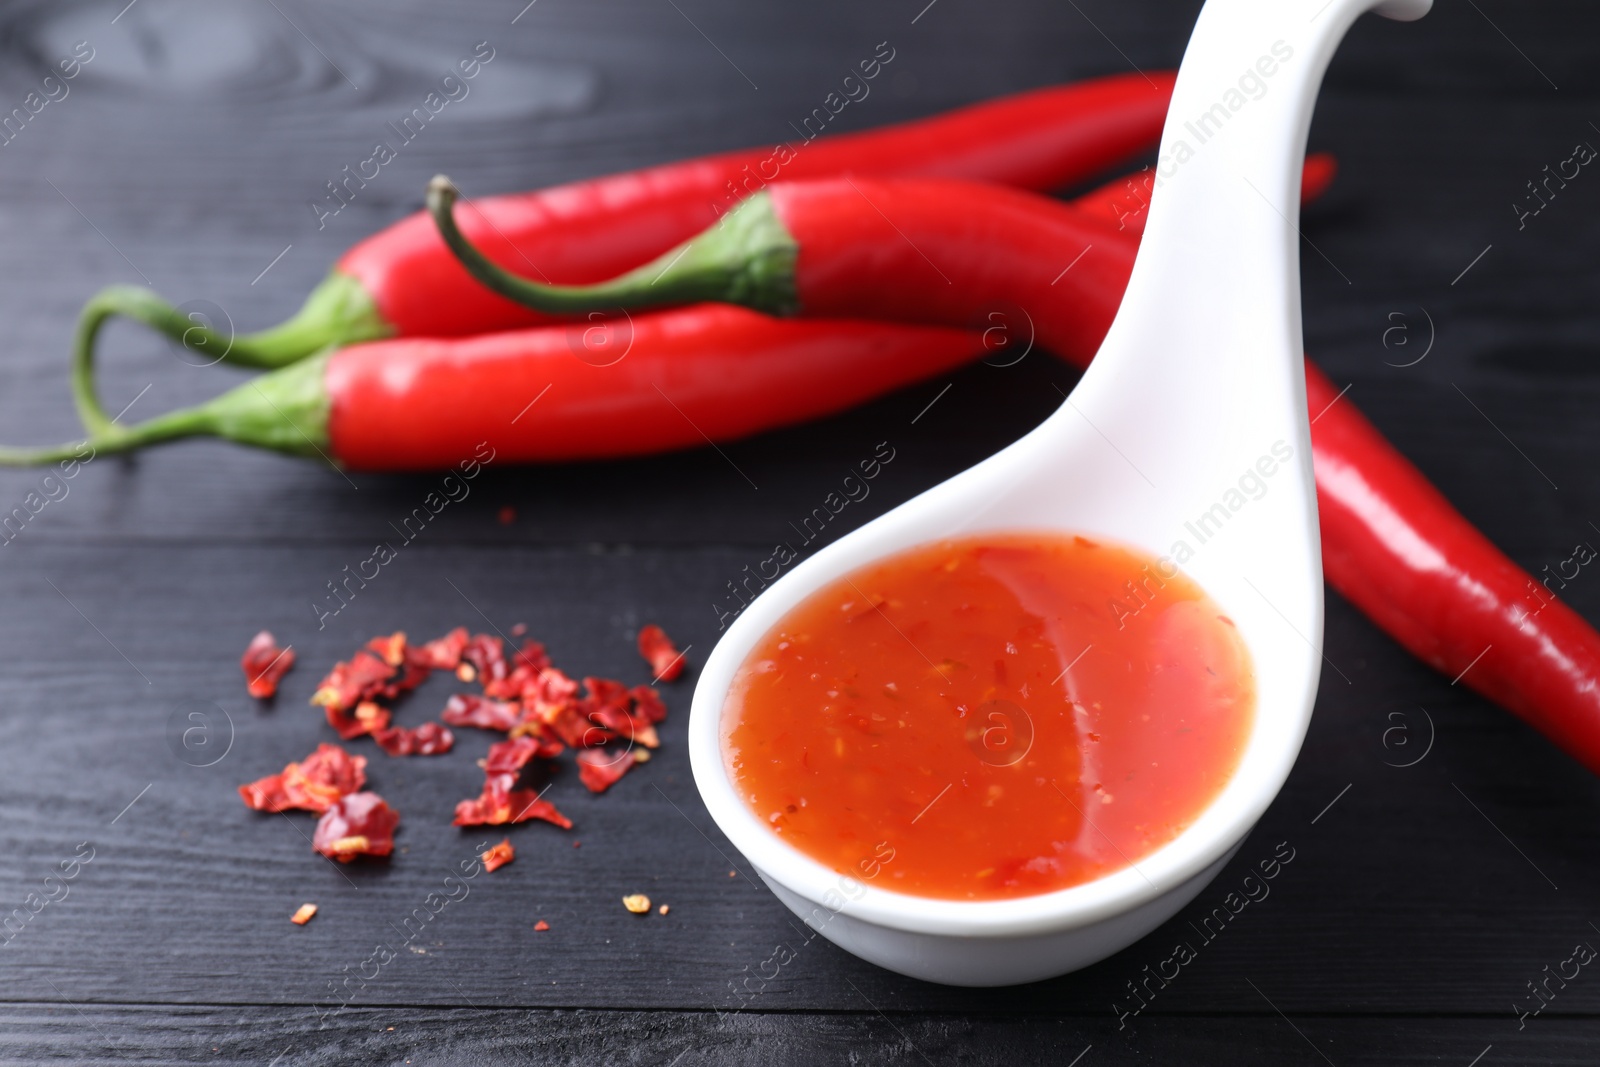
[(360, 824), (264, 665), (404, 282), (1395, 548), (916, 251), (689, 376), (1391, 543), (316, 783), (659, 651)]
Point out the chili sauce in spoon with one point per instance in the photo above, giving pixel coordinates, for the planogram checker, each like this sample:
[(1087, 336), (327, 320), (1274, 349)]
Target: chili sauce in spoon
[(991, 717)]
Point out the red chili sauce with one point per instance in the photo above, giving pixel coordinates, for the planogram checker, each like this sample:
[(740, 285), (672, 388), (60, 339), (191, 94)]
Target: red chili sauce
[(991, 717)]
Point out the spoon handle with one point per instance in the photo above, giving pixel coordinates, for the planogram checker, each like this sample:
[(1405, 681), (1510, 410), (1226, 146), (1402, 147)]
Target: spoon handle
[(1210, 327)]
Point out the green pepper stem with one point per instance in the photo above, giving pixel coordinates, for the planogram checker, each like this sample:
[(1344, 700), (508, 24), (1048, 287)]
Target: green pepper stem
[(747, 258), (186, 422), (285, 410), (338, 311)]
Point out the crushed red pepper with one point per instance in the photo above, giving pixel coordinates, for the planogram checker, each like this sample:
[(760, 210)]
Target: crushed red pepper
[(391, 649), (599, 769), (429, 739), (497, 806), (444, 653), (525, 697), (469, 709), (666, 662), (264, 665), (497, 856), (647, 704), (485, 654), (361, 824), (506, 759), (501, 801), (316, 783), (348, 684)]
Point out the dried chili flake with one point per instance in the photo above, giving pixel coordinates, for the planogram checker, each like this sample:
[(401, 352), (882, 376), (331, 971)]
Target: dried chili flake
[(659, 651), (303, 914), (599, 770), (444, 653), (506, 759), (361, 824), (316, 783), (345, 724), (551, 688), (469, 709), (371, 716), (391, 649), (573, 727), (486, 654), (266, 794), (518, 629), (264, 664), (602, 694), (631, 713), (530, 725), (647, 704), (413, 672), (532, 656), (627, 726), (497, 856), (348, 684), (541, 926), (637, 903), (429, 739), (527, 665), (552, 697), (497, 806)]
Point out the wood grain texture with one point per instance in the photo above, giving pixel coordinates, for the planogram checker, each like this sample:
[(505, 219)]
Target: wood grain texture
[(1418, 906), (36, 1033)]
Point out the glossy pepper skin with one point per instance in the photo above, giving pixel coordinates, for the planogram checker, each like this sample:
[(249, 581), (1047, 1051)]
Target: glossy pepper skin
[(404, 282), (1394, 547), (652, 383), (705, 373), (425, 403), (1391, 543), (587, 231), (928, 251)]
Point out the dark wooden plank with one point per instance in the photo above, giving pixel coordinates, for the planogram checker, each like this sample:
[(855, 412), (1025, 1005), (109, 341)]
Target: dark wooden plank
[(35, 1033)]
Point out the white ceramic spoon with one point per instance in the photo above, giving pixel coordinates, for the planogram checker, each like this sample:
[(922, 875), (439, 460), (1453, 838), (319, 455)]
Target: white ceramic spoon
[(1187, 437)]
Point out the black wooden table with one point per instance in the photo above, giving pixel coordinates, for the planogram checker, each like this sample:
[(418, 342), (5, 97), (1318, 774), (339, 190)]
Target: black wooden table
[(1444, 854)]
